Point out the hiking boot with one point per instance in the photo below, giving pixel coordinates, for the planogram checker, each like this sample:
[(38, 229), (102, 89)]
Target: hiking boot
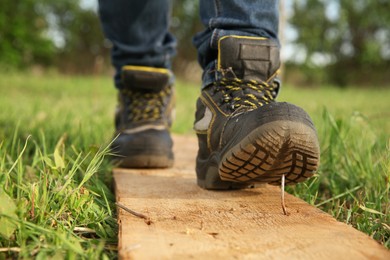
[(244, 135), (143, 118)]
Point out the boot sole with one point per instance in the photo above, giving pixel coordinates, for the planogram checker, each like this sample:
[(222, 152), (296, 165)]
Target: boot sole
[(214, 182), (272, 150)]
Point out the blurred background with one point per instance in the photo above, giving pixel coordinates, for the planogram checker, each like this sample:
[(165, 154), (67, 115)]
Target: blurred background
[(338, 42), (57, 104)]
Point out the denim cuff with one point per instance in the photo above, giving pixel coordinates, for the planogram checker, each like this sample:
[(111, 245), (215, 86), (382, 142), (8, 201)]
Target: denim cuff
[(209, 74)]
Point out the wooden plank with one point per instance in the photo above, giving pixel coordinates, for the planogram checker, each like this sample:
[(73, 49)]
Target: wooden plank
[(188, 222)]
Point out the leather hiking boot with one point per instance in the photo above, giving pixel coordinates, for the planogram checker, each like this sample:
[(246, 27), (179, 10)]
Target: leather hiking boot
[(143, 118), (244, 135)]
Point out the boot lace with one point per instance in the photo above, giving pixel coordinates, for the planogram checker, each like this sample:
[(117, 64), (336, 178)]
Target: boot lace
[(145, 106), (245, 94)]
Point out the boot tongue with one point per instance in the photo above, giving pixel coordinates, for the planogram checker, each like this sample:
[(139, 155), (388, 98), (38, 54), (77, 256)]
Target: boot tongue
[(145, 78), (250, 58)]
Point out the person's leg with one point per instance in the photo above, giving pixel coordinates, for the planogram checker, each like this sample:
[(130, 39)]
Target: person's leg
[(235, 17), (139, 33), (245, 136), (141, 54)]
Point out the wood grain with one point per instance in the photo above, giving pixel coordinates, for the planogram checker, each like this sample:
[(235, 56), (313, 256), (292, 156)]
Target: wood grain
[(190, 223)]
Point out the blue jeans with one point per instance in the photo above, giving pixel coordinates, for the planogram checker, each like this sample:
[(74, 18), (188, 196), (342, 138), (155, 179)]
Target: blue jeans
[(139, 30)]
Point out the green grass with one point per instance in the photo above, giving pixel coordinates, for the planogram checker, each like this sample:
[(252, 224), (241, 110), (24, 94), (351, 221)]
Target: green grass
[(353, 181), (55, 197)]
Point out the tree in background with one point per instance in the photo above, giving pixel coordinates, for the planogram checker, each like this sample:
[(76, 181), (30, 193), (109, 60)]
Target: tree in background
[(82, 48), (22, 35), (54, 33), (64, 35), (348, 41), (338, 41)]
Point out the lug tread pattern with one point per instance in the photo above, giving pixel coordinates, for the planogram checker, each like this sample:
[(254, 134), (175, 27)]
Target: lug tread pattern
[(266, 155)]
